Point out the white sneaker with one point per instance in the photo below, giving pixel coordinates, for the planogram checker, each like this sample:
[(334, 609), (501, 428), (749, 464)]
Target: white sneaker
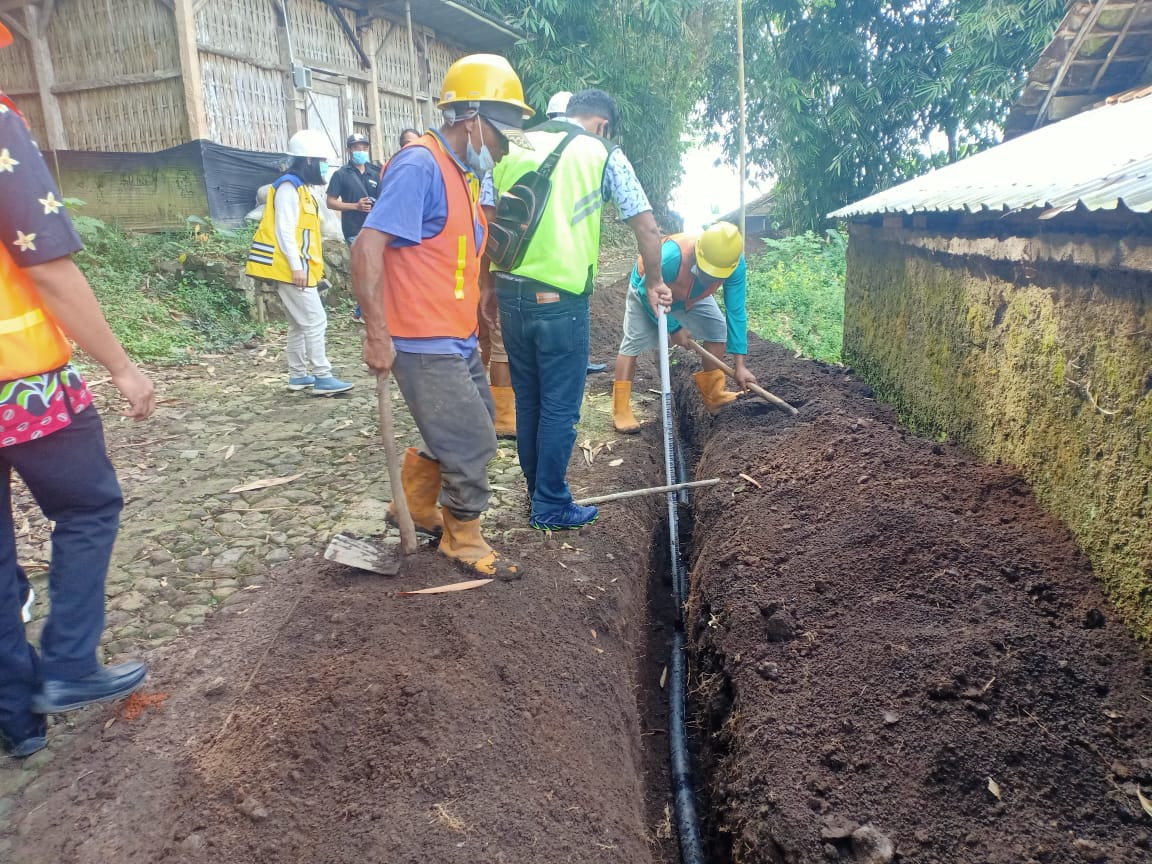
[(26, 612)]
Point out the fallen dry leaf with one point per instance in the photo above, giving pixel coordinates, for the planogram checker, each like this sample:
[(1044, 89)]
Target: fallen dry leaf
[(615, 463), (447, 589), (750, 480), (264, 484), (1144, 802), (994, 788), (230, 452), (663, 677)]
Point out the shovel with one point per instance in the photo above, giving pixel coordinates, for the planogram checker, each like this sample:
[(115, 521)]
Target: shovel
[(364, 554)]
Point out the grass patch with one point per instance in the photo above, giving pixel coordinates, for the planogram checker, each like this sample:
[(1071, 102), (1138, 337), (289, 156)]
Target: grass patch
[(161, 307), (796, 294)]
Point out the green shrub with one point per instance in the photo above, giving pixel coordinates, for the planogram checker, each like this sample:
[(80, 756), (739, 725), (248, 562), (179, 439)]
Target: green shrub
[(796, 294), (160, 311)]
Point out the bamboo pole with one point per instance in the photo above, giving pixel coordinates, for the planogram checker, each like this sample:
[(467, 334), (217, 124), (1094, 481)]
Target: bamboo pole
[(743, 116), (412, 63), (652, 490)]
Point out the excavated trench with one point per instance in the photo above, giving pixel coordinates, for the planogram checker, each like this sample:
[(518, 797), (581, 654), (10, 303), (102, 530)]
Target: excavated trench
[(895, 655)]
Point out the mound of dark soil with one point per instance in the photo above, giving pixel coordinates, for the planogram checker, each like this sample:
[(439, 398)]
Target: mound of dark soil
[(898, 656)]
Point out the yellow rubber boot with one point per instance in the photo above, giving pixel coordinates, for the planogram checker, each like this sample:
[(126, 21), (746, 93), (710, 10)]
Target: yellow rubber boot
[(711, 386), (505, 399), (420, 477), (463, 543), (622, 417)]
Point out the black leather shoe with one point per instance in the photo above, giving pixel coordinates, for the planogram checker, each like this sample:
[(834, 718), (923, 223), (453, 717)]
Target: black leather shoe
[(104, 685), (34, 742)]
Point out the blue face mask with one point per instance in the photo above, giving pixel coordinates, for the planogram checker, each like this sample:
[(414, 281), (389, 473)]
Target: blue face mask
[(481, 162), (360, 157)]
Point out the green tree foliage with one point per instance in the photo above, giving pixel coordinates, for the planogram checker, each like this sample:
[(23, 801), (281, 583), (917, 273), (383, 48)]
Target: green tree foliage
[(843, 94), (648, 54)]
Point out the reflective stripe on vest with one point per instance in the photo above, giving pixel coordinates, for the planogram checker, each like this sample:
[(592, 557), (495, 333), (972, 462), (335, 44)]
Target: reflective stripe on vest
[(30, 340), (265, 258), (432, 289), (571, 219), (685, 279)]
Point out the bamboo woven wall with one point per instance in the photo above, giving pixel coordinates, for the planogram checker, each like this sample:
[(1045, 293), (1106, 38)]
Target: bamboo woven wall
[(140, 118), (18, 80), (242, 28), (93, 40), (97, 46), (244, 104), (317, 38)]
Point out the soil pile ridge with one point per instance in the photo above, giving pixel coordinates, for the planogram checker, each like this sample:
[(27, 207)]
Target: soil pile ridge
[(898, 656)]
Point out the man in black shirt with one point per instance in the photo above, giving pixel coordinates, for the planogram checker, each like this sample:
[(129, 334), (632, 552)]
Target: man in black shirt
[(352, 189), (352, 192)]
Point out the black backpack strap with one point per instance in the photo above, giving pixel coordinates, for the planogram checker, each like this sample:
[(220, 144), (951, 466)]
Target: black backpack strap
[(549, 164)]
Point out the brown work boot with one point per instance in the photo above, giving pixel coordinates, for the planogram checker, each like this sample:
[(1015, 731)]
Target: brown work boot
[(505, 399), (622, 417), (711, 386), (463, 543), (420, 477)]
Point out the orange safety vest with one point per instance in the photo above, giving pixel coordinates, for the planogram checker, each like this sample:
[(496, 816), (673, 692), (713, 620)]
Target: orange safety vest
[(685, 280), (432, 290), (31, 341)]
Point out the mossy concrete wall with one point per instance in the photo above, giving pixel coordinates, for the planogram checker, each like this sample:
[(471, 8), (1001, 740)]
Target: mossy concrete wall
[(1046, 366)]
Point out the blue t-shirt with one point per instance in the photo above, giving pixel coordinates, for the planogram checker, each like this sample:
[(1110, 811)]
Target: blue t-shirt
[(412, 206), (735, 290)]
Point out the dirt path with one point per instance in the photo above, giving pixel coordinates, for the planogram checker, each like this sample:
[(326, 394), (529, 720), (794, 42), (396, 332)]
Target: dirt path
[(892, 639), (322, 718)]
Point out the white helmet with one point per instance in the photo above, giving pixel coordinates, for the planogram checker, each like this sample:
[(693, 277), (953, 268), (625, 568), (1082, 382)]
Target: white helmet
[(311, 143), (558, 104)]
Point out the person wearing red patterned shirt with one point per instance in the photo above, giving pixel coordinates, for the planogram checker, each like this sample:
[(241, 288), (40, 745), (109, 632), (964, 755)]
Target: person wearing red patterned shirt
[(52, 436)]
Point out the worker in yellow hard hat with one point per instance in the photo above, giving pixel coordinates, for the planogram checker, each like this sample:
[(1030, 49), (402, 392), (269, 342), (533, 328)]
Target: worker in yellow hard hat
[(695, 267), (415, 271)]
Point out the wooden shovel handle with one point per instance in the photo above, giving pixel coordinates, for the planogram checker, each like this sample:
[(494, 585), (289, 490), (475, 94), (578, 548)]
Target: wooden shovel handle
[(755, 388), (403, 516)]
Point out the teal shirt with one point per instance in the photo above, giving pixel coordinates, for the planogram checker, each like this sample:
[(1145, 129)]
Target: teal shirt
[(735, 290)]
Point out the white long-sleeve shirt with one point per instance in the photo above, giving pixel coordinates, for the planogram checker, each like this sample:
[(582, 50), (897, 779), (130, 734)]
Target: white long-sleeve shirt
[(287, 204)]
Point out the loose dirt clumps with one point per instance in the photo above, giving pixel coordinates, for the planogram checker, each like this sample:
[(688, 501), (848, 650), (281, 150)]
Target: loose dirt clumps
[(898, 656)]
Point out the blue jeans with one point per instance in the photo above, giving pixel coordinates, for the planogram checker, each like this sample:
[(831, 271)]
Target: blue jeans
[(73, 482), (547, 345)]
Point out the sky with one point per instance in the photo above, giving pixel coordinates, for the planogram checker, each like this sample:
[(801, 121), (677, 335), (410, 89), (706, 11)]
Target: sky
[(708, 190)]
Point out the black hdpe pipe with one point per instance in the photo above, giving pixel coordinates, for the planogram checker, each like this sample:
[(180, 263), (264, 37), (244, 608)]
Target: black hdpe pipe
[(683, 786)]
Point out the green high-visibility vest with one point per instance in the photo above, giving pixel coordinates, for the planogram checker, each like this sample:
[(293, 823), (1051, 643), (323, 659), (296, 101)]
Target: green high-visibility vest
[(563, 252)]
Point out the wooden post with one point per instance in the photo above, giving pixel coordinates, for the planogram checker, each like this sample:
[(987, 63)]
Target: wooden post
[(743, 118), (190, 69), (284, 44), (45, 79), (412, 62), (372, 46)]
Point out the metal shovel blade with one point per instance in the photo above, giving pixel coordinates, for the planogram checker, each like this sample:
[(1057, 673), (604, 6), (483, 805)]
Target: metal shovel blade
[(363, 555)]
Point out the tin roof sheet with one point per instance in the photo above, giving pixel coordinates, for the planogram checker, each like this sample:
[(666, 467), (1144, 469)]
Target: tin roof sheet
[(1099, 159)]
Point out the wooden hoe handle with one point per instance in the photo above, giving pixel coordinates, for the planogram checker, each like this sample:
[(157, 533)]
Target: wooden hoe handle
[(403, 516), (755, 388)]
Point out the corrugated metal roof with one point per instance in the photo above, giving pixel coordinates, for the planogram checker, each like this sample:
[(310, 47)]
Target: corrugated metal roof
[(1100, 48), (1100, 159), (761, 206), (456, 21)]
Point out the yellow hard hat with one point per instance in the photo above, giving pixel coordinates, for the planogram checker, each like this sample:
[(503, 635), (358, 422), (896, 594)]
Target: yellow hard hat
[(719, 249), (490, 82)]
